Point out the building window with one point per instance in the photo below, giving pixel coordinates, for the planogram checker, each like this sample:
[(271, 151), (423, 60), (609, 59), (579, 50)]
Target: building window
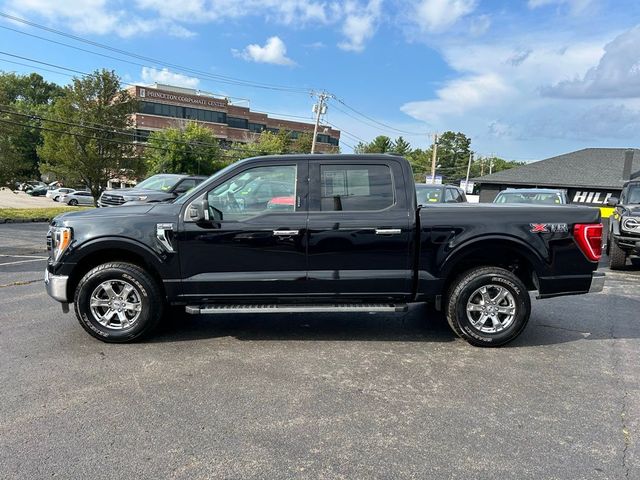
[(205, 115), (322, 138), (236, 122), (273, 130), (142, 135), (333, 141), (257, 127)]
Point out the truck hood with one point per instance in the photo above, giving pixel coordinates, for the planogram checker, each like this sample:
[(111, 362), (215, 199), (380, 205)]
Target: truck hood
[(138, 191), (101, 214), (632, 210)]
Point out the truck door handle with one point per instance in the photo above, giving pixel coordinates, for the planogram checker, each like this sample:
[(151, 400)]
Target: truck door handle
[(285, 233), (388, 231)]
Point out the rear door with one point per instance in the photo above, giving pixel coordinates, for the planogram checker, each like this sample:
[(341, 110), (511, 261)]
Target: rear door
[(359, 229)]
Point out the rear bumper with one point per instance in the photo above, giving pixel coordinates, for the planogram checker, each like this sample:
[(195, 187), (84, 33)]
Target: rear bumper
[(56, 286), (597, 282)]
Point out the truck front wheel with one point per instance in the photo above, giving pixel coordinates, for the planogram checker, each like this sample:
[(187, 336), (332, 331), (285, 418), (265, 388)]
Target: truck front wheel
[(488, 306), (617, 256), (118, 302)]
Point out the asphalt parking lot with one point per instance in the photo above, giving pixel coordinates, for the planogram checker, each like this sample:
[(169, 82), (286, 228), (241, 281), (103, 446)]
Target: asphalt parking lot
[(316, 396)]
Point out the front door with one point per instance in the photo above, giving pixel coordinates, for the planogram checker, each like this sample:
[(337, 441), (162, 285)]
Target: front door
[(258, 249), (360, 226)]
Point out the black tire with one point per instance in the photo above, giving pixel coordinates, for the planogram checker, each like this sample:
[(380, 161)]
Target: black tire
[(73, 202), (145, 292), (617, 256), (466, 288)]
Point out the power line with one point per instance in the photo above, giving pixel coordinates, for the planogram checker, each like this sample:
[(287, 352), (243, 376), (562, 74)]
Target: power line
[(191, 71), (122, 82), (389, 127)]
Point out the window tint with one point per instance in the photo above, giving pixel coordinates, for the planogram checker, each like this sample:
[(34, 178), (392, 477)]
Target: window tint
[(355, 187), (236, 122), (255, 191), (452, 196)]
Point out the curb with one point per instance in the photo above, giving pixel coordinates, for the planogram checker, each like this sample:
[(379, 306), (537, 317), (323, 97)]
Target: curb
[(25, 220)]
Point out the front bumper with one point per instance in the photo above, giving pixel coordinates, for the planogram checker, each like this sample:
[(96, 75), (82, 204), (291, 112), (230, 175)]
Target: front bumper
[(629, 244), (597, 282), (56, 286)]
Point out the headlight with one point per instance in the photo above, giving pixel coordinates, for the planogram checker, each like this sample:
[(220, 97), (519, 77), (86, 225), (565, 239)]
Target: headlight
[(60, 240), (631, 224), (134, 198)]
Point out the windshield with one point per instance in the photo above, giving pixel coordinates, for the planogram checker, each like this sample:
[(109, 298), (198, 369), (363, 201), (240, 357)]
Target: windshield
[(536, 198), (427, 194), (159, 182), (634, 194)]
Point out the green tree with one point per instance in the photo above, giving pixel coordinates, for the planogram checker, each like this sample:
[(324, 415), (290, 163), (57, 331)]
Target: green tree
[(454, 149), (267, 143), (401, 147), (193, 149), (302, 144), (380, 144), (79, 151), (22, 99)]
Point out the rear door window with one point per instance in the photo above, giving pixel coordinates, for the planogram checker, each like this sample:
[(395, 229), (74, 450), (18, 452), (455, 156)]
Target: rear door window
[(355, 187)]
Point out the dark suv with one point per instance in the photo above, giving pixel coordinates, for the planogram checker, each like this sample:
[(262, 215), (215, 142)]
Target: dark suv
[(623, 239), (158, 188)]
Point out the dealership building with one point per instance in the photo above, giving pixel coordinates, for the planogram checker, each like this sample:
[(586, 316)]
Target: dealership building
[(589, 176), (162, 106)]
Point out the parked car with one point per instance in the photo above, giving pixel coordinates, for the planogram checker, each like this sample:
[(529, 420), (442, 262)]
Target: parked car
[(30, 185), (356, 241), (429, 194), (532, 196), (77, 197), (158, 188), (57, 193), (623, 239), (39, 191)]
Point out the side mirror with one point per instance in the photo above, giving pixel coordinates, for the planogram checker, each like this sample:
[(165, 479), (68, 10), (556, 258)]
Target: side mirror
[(200, 212), (613, 201)]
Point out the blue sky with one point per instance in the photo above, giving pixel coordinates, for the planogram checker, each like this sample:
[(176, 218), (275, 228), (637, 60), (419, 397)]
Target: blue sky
[(524, 79)]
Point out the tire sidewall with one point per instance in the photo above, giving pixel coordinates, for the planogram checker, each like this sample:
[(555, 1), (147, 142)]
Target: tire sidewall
[(150, 305), (522, 302)]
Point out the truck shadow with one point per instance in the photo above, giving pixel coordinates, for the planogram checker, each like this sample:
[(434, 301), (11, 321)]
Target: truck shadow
[(417, 325), (555, 321)]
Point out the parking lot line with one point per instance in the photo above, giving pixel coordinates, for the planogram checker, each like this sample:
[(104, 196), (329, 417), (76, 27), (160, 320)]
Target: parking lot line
[(24, 261), (23, 256)]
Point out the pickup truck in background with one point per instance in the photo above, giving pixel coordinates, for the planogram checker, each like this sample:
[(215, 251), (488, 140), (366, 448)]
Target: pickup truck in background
[(157, 188), (623, 239), (347, 236)]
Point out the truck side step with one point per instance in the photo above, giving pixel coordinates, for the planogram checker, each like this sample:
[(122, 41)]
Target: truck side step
[(307, 308)]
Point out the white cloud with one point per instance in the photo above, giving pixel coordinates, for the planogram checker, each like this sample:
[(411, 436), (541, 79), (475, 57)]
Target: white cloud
[(480, 25), (495, 95), (360, 24), (575, 6), (274, 52), (435, 16), (166, 76), (617, 74), (101, 17)]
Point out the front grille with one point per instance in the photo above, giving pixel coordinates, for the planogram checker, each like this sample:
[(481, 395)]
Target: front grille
[(111, 199)]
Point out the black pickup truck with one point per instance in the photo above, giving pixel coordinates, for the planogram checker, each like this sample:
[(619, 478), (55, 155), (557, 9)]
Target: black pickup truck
[(334, 233), (623, 238)]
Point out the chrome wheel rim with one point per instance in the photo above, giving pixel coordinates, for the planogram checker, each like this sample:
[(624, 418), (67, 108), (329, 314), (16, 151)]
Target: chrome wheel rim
[(116, 304), (491, 309)]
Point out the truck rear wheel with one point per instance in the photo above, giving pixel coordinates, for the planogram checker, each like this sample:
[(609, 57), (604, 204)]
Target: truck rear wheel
[(118, 302), (617, 256), (488, 306)]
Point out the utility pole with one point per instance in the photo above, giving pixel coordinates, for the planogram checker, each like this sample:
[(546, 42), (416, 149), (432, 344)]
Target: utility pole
[(466, 182), (482, 167), (319, 109), (491, 165), (434, 157)]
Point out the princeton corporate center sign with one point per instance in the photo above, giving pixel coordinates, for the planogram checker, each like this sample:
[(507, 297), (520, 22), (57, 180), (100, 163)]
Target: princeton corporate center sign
[(174, 97)]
